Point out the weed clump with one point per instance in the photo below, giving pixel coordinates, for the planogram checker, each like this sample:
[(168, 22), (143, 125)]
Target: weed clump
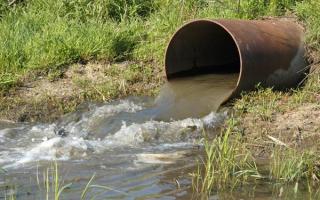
[(230, 164), (120, 10), (3, 8), (123, 45), (290, 166), (227, 164)]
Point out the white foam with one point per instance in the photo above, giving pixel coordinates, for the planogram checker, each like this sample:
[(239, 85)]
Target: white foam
[(159, 158), (45, 150), (40, 142), (150, 131), (123, 106), (89, 120), (56, 148)]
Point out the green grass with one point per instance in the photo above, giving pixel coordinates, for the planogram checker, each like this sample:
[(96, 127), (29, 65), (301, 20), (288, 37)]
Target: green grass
[(48, 35), (53, 187), (290, 165), (227, 164), (44, 37), (39, 34), (230, 164), (307, 12), (262, 103)]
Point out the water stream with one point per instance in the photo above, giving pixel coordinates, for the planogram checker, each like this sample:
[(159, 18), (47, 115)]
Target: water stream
[(139, 147)]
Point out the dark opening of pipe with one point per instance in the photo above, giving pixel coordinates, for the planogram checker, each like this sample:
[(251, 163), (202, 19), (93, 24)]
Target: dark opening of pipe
[(244, 52), (201, 47)]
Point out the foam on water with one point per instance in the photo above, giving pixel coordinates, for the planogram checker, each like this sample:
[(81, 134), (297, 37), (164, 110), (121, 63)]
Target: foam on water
[(74, 138), (136, 144), (133, 123)]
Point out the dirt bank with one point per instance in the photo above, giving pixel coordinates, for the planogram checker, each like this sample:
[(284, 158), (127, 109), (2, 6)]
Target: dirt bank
[(45, 96), (268, 118)]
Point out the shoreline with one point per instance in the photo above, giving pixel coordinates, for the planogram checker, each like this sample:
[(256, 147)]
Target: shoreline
[(46, 97)]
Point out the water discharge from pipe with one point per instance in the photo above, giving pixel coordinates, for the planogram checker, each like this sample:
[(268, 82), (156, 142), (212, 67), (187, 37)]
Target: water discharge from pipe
[(194, 96), (133, 144), (269, 52)]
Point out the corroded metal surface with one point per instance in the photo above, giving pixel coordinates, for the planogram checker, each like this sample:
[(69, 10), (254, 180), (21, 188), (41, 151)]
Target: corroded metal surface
[(267, 52)]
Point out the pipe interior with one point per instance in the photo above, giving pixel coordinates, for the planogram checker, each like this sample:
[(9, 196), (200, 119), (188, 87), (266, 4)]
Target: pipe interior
[(201, 47)]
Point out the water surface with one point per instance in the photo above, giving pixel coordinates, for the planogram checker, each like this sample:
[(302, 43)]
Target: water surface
[(140, 147)]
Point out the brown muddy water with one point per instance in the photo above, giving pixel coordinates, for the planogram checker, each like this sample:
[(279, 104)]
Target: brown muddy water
[(138, 148), (194, 96)]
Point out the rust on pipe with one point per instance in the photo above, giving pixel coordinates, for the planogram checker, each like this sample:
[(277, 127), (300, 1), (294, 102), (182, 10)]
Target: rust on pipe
[(268, 52)]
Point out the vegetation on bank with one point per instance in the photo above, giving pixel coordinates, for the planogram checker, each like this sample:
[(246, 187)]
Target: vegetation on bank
[(275, 133), (42, 38), (235, 162), (49, 35)]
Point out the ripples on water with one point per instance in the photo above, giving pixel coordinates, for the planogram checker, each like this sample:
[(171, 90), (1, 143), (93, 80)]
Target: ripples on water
[(137, 145)]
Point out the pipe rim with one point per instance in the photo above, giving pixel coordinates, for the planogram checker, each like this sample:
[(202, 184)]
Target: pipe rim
[(216, 22)]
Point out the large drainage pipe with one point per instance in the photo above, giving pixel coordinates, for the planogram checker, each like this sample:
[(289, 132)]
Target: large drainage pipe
[(267, 52)]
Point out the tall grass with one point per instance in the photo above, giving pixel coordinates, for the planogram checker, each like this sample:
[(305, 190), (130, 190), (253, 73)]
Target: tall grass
[(227, 164), (54, 188), (307, 11), (290, 165), (298, 169), (230, 164), (46, 34)]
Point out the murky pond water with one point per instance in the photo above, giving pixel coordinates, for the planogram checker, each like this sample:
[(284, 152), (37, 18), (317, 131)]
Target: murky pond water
[(138, 148)]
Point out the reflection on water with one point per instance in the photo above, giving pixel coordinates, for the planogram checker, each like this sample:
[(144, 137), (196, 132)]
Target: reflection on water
[(194, 96)]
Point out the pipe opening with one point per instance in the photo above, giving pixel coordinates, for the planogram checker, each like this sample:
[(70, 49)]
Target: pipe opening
[(201, 47)]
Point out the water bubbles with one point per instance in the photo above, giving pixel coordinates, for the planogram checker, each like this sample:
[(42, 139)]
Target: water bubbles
[(117, 125)]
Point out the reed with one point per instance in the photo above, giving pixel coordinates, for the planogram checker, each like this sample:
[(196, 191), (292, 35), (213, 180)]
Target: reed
[(227, 163), (54, 187)]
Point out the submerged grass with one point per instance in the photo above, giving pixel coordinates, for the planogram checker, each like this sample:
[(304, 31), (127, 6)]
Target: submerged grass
[(53, 187)]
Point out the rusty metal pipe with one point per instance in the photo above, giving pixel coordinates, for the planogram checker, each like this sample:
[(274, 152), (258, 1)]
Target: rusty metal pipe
[(268, 52)]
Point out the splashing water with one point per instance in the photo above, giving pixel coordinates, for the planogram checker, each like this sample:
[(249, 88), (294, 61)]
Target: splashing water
[(108, 127), (129, 135)]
